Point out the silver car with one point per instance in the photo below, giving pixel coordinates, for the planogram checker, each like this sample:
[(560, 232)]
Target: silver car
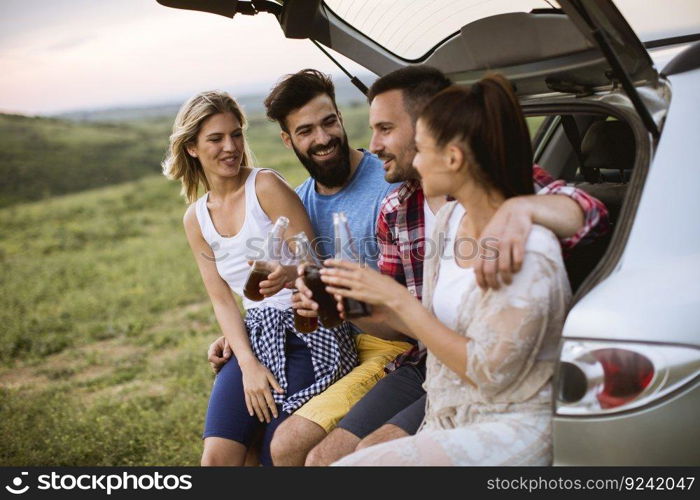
[(604, 119)]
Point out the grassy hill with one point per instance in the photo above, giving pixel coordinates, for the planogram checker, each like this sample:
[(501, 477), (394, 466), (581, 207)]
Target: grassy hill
[(105, 329), (45, 157), (105, 321)]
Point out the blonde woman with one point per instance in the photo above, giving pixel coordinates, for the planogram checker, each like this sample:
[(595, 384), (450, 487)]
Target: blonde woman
[(274, 369), (491, 354)]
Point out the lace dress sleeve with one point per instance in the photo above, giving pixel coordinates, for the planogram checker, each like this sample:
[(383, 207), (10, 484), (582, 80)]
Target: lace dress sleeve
[(516, 325)]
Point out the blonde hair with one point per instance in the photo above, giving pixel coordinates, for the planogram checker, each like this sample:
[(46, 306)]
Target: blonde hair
[(178, 163)]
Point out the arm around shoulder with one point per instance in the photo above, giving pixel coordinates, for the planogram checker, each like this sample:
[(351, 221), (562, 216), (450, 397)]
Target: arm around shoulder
[(513, 324)]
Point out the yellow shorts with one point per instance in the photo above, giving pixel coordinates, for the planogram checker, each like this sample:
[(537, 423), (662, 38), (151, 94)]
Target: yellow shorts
[(329, 407)]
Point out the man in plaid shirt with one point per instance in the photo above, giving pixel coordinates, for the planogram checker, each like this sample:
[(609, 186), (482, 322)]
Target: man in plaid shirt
[(401, 234), (395, 407)]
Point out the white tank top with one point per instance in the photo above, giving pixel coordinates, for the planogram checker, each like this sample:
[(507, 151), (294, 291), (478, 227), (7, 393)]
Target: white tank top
[(452, 278), (232, 253)]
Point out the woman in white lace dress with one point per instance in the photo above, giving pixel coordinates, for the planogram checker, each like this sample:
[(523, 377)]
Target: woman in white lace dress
[(491, 353)]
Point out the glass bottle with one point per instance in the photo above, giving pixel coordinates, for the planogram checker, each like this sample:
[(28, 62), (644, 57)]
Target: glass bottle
[(304, 254), (272, 255), (345, 250), (327, 306)]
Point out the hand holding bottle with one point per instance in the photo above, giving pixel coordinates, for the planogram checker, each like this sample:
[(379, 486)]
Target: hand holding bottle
[(305, 321), (261, 269), (345, 251), (362, 284), (302, 300), (280, 277)]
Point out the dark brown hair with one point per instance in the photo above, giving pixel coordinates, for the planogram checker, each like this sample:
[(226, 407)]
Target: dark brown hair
[(488, 119), (294, 91), (417, 83)]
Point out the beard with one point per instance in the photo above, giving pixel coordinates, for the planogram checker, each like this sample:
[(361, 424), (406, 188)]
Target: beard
[(331, 173), (401, 174), (403, 171)]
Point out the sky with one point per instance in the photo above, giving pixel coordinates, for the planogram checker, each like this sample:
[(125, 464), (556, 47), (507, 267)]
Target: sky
[(65, 55), (68, 55)]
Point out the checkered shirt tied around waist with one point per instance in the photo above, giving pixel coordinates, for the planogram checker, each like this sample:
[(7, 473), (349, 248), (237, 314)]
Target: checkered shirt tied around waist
[(333, 352)]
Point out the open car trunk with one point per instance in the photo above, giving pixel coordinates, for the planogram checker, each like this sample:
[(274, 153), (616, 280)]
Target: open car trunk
[(583, 47), (583, 57), (601, 105)]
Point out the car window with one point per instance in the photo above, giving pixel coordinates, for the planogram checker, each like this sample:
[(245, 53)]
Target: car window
[(411, 28), (533, 124), (659, 20)]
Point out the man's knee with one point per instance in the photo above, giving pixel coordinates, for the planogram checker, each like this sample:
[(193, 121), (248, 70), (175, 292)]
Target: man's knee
[(317, 456), (293, 439), (282, 440), (333, 447), (387, 432)]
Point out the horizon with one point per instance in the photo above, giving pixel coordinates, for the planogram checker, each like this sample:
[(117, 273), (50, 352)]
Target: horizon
[(340, 80), (72, 55), (75, 55)]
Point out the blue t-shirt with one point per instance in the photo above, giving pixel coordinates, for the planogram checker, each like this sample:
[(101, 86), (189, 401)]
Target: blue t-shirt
[(361, 201)]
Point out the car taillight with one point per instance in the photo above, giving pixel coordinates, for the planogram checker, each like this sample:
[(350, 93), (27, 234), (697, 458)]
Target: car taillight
[(626, 374), (606, 377)]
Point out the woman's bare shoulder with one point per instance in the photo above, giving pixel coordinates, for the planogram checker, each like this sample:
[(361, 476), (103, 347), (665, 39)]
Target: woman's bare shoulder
[(189, 220), (270, 181), (189, 217)]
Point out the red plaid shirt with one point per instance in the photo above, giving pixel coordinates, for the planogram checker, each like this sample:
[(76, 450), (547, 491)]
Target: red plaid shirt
[(401, 234)]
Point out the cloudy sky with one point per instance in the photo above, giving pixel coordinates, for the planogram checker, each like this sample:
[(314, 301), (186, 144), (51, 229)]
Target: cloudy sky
[(59, 55), (62, 55)]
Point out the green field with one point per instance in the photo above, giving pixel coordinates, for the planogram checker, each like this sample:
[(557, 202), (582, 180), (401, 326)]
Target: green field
[(45, 157), (105, 327), (105, 321)]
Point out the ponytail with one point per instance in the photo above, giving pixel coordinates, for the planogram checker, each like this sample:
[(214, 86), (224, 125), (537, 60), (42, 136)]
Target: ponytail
[(488, 119)]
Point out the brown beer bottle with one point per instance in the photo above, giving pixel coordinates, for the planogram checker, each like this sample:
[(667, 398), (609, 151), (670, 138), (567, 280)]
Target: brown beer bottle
[(327, 306), (345, 250), (304, 254), (262, 267)]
